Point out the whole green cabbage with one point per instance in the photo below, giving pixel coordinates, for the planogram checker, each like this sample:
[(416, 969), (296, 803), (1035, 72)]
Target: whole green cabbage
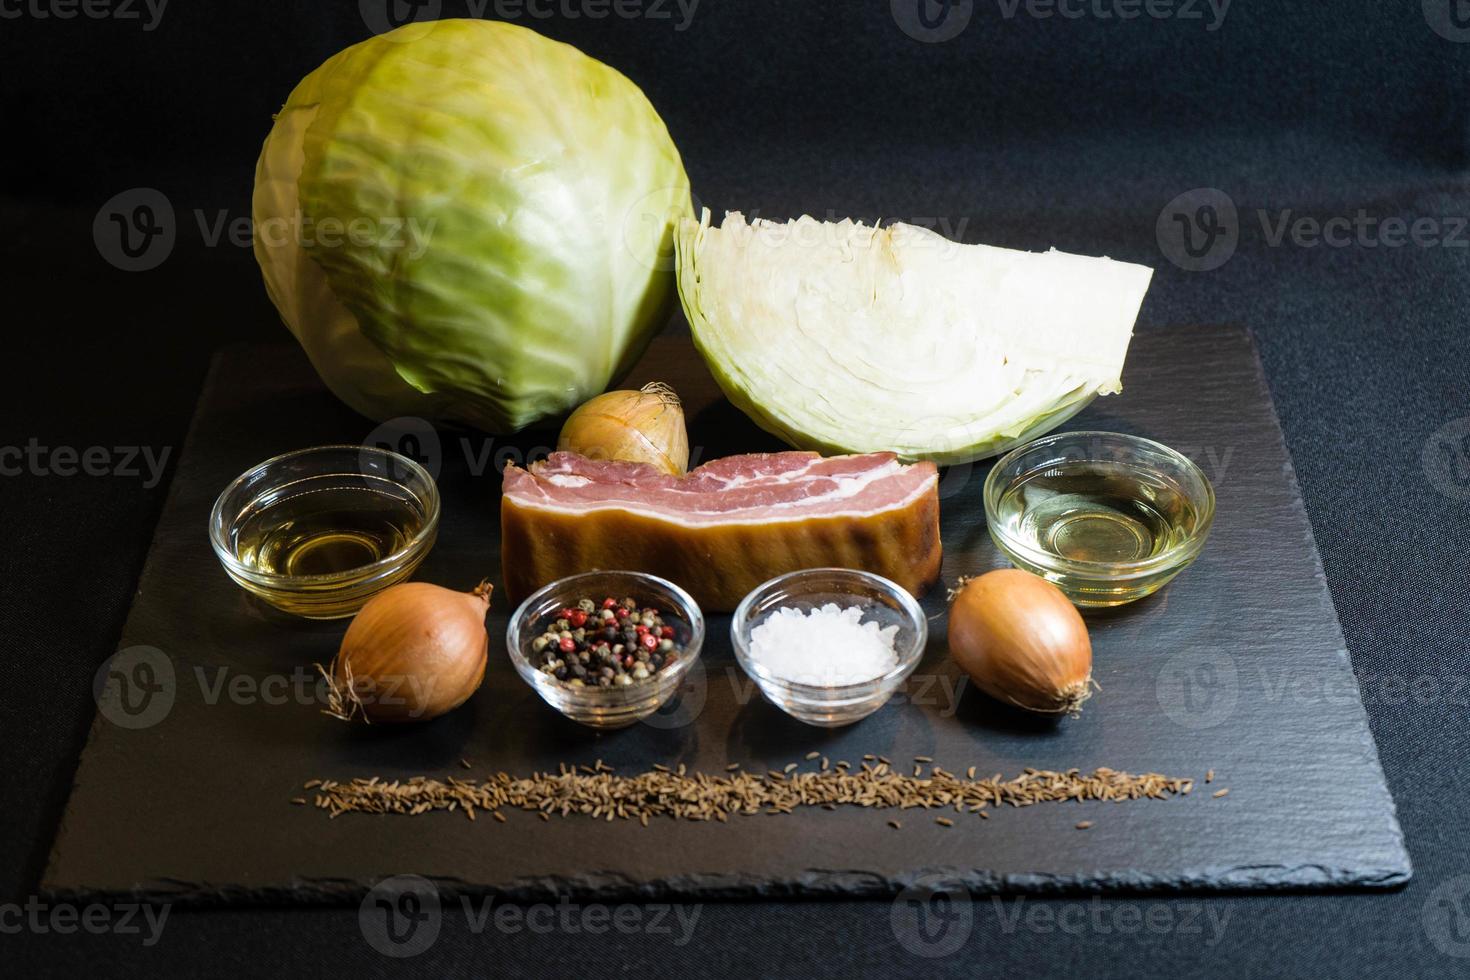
[(464, 220)]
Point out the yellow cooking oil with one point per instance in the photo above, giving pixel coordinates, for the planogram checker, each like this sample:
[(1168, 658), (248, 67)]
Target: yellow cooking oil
[(1096, 511), (327, 532)]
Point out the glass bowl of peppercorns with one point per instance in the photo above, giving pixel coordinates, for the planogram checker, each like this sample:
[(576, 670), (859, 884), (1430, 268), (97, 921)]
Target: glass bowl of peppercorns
[(606, 649)]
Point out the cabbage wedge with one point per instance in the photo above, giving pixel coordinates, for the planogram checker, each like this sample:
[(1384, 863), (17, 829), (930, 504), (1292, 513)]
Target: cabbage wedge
[(845, 338)]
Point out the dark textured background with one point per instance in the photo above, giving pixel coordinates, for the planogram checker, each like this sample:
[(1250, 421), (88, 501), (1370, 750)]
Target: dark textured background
[(1024, 132)]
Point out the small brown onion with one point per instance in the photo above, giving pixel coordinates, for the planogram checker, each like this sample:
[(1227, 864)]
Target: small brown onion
[(643, 426), (1022, 641), (413, 652)]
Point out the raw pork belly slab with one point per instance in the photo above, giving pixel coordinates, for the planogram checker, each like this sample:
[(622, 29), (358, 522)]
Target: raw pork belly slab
[(727, 526)]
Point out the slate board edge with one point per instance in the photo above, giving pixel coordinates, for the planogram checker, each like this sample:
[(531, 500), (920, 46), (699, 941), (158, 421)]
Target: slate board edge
[(145, 574), (814, 883), (1298, 501)]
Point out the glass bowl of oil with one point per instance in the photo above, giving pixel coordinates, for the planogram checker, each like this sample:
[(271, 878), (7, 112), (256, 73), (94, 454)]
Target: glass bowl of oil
[(318, 532), (1109, 518)]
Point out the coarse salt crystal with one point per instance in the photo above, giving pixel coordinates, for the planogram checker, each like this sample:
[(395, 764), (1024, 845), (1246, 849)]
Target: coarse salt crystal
[(827, 647)]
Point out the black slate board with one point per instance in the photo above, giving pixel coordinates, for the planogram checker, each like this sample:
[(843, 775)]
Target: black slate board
[(1239, 666)]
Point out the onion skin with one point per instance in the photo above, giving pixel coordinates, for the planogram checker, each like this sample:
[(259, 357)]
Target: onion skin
[(643, 426), (415, 651), (1021, 641)]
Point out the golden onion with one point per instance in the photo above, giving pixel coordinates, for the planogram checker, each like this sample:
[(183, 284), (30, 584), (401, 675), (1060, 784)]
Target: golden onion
[(643, 426), (414, 652), (1022, 641)]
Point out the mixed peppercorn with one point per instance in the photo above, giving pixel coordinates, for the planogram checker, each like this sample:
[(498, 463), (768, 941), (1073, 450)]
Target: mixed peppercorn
[(612, 643)]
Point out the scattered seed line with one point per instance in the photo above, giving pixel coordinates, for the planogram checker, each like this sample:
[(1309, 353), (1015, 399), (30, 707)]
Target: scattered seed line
[(597, 791)]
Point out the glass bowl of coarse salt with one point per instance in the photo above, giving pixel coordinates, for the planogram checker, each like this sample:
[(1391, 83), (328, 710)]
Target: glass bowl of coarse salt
[(829, 646)]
